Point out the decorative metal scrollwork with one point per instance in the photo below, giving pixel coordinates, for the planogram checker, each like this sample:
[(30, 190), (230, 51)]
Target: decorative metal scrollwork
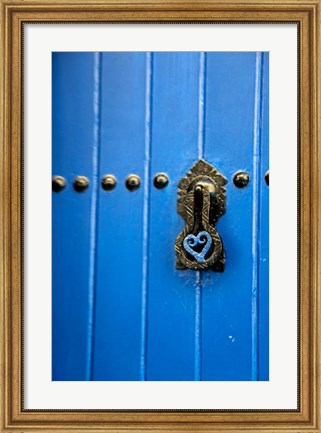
[(201, 202)]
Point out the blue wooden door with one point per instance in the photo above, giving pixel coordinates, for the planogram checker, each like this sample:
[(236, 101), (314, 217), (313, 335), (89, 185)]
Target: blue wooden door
[(121, 310)]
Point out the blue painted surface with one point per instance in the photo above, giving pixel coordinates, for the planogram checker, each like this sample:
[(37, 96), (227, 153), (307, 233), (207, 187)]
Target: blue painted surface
[(229, 144), (74, 126), (171, 293), (263, 301), (120, 235), (121, 311)]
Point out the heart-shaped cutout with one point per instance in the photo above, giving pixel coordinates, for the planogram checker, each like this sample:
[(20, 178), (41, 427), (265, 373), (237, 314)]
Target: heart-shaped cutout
[(191, 241)]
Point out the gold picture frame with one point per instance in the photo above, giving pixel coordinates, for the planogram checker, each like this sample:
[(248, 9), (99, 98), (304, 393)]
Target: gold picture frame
[(14, 13)]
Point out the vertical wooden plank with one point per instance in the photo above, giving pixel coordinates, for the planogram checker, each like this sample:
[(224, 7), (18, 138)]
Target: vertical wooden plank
[(171, 293), (75, 87), (263, 336), (227, 297), (118, 303)]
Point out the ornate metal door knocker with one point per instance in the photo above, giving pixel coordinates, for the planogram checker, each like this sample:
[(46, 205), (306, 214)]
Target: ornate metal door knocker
[(201, 202)]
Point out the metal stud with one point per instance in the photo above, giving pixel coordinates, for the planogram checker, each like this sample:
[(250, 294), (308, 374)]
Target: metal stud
[(133, 182), (81, 183), (241, 179), (161, 180), (108, 182), (58, 183), (267, 178)]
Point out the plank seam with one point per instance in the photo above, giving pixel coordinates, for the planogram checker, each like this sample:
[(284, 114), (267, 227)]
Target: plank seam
[(146, 212), (256, 210), (199, 275), (94, 214)]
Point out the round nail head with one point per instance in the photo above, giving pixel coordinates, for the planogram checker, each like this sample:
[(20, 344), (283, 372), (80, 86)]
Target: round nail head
[(161, 181), (58, 183), (81, 183), (108, 182), (132, 182), (241, 179)]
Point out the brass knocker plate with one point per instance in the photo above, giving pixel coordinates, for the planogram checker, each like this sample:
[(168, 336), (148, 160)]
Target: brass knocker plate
[(201, 202)]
